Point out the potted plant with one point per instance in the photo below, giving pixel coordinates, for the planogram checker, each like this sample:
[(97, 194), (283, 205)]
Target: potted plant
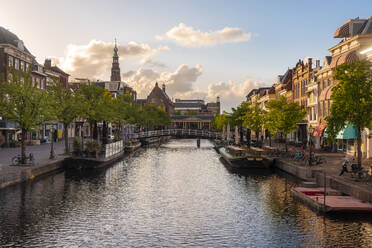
[(93, 147)]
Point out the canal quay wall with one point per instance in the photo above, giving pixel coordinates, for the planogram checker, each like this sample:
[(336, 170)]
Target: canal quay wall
[(316, 176), (11, 175)]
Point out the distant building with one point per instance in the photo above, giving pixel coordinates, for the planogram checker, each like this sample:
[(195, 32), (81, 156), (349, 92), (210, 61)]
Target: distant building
[(14, 56), (115, 85), (54, 73), (159, 97)]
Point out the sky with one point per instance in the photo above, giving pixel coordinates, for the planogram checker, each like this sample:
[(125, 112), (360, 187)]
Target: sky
[(198, 49)]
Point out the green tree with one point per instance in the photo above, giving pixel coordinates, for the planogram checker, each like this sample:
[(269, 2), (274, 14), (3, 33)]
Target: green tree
[(96, 103), (66, 107), (254, 118), (351, 100), (282, 117), (236, 117), (23, 103), (220, 120)]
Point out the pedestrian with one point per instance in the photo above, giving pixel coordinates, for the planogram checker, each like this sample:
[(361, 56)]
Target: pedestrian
[(344, 167)]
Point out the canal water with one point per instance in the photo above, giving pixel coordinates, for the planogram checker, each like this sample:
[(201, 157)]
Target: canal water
[(175, 195)]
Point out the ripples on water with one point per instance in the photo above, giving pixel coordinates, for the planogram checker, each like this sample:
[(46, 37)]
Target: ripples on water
[(174, 196)]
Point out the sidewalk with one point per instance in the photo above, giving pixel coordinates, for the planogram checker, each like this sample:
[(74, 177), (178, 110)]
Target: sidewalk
[(332, 167), (14, 174)]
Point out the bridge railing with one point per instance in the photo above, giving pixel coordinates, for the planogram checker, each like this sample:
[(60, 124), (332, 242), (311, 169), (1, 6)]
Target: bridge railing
[(176, 132)]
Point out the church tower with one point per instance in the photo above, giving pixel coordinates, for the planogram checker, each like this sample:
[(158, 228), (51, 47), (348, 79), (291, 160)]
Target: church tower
[(115, 69)]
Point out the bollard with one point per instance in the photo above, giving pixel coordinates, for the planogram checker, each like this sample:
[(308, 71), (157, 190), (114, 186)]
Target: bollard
[(198, 143)]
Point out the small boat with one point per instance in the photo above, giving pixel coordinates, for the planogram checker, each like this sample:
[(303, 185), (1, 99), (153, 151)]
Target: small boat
[(238, 159), (132, 146), (217, 144)]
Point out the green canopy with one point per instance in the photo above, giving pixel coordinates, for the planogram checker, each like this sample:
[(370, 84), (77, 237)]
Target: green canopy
[(347, 133)]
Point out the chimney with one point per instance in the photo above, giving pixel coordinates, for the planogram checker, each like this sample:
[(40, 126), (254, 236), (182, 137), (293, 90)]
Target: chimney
[(163, 87), (48, 63), (310, 61), (218, 99), (317, 63)]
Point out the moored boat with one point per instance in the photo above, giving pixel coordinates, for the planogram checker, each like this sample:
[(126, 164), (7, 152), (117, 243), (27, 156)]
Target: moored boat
[(217, 144), (132, 146), (238, 159)]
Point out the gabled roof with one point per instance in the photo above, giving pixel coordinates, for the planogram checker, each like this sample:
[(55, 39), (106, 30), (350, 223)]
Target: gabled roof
[(58, 70)]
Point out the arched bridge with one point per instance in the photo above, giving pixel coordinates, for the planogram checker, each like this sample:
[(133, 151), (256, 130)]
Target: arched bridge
[(180, 133)]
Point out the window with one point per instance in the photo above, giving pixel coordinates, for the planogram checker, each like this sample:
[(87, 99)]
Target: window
[(329, 82), (22, 65), (10, 61), (27, 67), (16, 65), (38, 83)]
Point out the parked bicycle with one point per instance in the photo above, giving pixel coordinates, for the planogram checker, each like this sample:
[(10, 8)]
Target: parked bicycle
[(298, 156), (17, 160)]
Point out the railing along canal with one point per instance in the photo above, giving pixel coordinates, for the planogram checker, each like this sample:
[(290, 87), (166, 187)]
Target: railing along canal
[(176, 132)]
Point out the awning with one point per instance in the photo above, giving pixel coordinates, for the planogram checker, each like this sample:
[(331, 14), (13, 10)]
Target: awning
[(347, 133), (319, 130), (334, 61), (326, 93), (344, 58)]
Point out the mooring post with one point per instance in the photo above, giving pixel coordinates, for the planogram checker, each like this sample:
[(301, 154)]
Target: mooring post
[(198, 142)]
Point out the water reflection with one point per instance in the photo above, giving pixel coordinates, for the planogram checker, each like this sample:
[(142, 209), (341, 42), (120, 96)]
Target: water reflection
[(173, 195)]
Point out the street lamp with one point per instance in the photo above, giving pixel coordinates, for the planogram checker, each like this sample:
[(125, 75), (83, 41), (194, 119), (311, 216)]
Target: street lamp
[(311, 130)]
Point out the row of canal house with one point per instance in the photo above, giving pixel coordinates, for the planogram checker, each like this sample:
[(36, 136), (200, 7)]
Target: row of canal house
[(14, 55), (310, 84)]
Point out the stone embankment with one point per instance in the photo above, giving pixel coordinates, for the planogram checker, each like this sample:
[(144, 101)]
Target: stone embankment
[(345, 184)]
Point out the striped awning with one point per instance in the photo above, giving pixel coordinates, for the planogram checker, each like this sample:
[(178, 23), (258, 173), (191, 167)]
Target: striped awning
[(348, 57), (319, 130), (326, 93)]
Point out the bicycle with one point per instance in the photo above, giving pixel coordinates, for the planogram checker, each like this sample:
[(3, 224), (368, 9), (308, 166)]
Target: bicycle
[(17, 160), (298, 156)]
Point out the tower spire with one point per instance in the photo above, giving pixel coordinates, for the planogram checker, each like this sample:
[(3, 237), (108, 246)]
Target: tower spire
[(115, 69)]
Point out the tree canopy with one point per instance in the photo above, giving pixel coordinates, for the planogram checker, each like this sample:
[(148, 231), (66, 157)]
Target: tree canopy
[(253, 118), (351, 99), (282, 116), (24, 104)]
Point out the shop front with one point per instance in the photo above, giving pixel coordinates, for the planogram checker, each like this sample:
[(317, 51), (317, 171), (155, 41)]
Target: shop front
[(345, 140)]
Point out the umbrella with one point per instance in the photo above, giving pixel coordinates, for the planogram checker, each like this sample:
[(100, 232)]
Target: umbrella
[(236, 135), (228, 132)]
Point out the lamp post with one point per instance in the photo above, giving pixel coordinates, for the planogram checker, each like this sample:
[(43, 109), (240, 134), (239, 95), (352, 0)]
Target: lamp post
[(311, 130)]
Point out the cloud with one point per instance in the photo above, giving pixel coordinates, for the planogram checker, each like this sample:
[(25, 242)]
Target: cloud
[(188, 36), (94, 59), (180, 84), (232, 93), (181, 80)]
